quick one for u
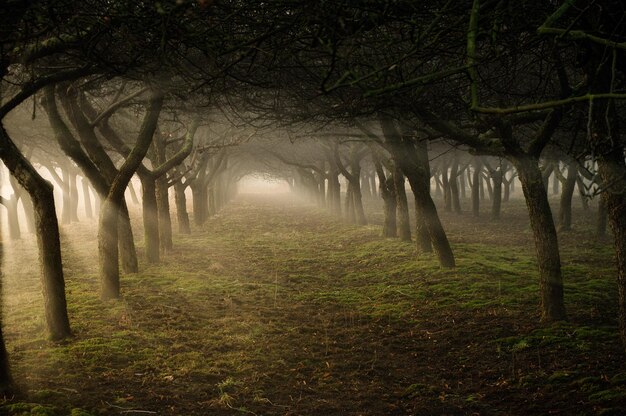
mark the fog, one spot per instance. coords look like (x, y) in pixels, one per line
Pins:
(253, 184)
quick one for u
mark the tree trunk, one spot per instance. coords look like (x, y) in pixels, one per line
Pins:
(402, 205)
(555, 184)
(66, 216)
(47, 232)
(87, 198)
(364, 182)
(462, 185)
(108, 233)
(200, 203)
(11, 205)
(438, 191)
(616, 212)
(413, 160)
(602, 218)
(476, 187)
(334, 190)
(181, 208)
(212, 199)
(133, 194)
(496, 200)
(507, 188)
(108, 249)
(581, 191)
(126, 241)
(388, 194)
(445, 182)
(350, 213)
(6, 381)
(454, 185)
(150, 219)
(487, 183)
(74, 198)
(544, 233)
(165, 221)
(373, 185)
(565, 205)
(357, 197)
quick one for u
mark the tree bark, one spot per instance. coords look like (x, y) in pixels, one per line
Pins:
(476, 186)
(74, 198)
(200, 203)
(6, 380)
(402, 205)
(544, 233)
(126, 241)
(181, 208)
(567, 193)
(150, 219)
(108, 230)
(453, 183)
(87, 198)
(47, 232)
(445, 184)
(496, 200)
(413, 160)
(602, 219)
(165, 220)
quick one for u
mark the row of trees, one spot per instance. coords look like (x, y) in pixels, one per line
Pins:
(137, 88)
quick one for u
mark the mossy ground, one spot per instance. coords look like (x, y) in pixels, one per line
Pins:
(276, 308)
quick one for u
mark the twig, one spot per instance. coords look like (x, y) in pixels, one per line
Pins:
(128, 410)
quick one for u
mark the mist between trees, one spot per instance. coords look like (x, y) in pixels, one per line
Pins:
(106, 104)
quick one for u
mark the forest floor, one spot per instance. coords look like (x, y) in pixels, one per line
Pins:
(274, 307)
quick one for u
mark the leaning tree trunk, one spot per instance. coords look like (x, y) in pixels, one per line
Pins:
(581, 191)
(47, 231)
(544, 233)
(126, 243)
(108, 234)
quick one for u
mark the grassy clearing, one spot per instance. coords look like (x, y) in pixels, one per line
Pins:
(274, 307)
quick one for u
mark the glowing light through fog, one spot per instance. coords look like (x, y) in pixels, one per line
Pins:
(257, 185)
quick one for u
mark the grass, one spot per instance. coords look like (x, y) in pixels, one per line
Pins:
(274, 307)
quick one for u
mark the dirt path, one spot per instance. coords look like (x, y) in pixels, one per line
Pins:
(275, 308)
